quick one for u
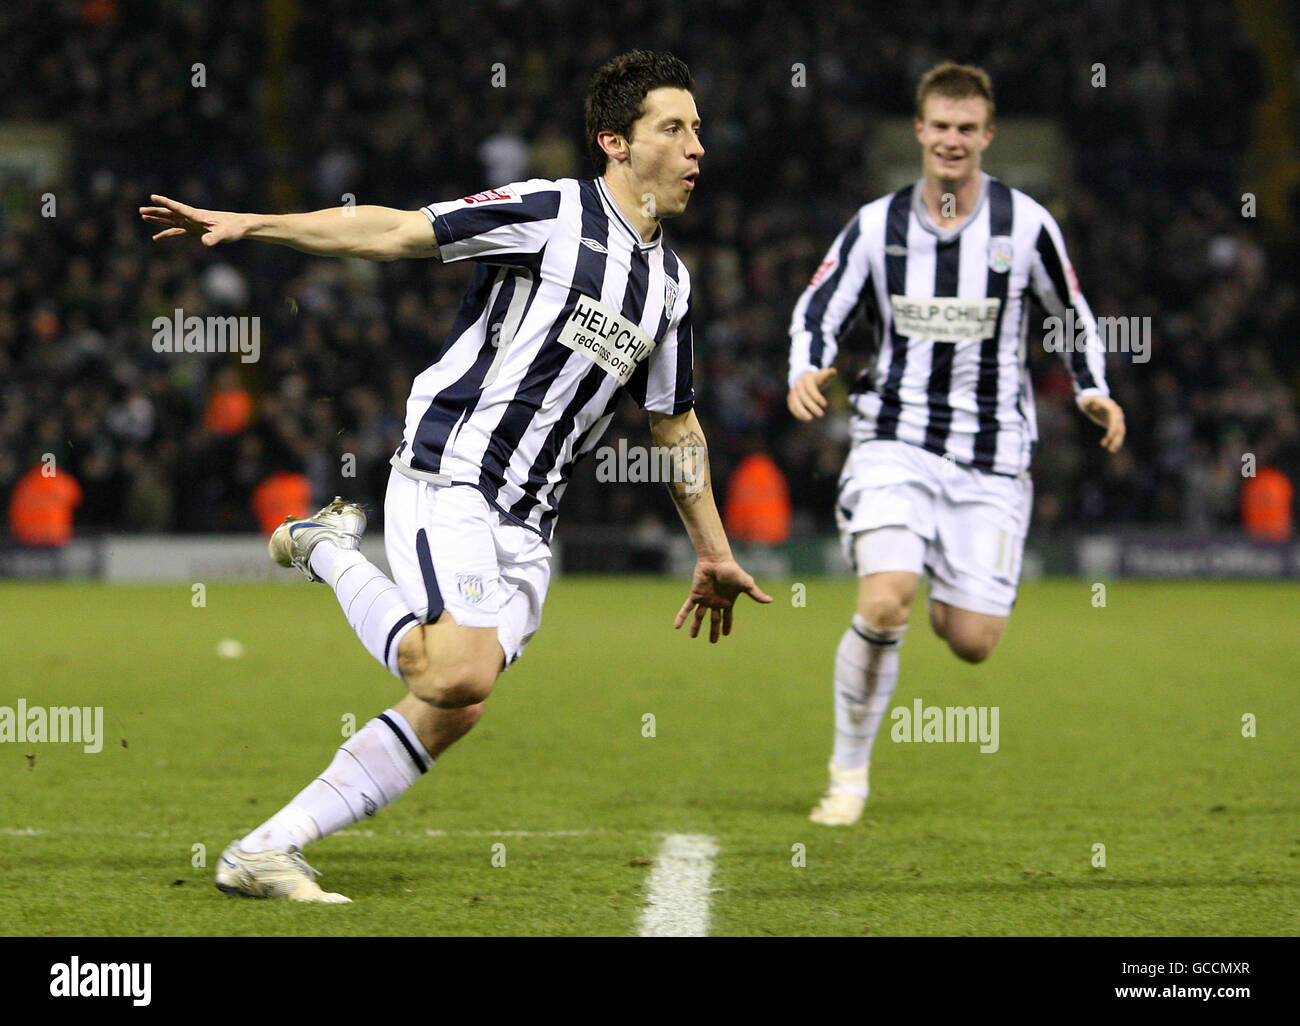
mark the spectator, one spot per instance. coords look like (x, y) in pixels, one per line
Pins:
(283, 494)
(1266, 511)
(758, 502)
(40, 511)
(230, 407)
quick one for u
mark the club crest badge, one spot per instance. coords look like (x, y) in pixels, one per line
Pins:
(1000, 254)
(670, 296)
(471, 588)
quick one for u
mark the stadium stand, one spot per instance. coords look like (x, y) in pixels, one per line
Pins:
(394, 104)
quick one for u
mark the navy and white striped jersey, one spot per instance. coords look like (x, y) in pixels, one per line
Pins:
(567, 309)
(949, 313)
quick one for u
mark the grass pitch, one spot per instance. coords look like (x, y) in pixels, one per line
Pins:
(1119, 726)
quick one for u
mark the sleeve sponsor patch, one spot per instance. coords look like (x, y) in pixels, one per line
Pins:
(505, 194)
(824, 269)
(1072, 282)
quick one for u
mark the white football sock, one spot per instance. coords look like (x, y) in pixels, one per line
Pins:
(372, 603)
(866, 674)
(372, 768)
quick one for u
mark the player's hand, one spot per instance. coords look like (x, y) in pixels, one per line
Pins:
(1107, 413)
(805, 400)
(715, 587)
(209, 226)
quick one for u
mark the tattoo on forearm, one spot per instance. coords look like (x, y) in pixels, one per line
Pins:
(689, 459)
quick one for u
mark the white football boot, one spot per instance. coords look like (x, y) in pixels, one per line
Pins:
(341, 522)
(845, 798)
(270, 874)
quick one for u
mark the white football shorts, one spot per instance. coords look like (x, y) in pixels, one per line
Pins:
(449, 549)
(971, 525)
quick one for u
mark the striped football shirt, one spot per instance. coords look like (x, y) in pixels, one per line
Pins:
(949, 313)
(568, 309)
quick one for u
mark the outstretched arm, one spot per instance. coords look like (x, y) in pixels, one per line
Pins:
(718, 578)
(369, 232)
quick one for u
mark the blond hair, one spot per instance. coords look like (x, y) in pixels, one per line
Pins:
(955, 81)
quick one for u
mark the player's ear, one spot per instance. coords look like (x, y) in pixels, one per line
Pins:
(614, 145)
(916, 127)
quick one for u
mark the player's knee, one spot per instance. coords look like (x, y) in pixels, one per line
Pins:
(466, 685)
(453, 685)
(885, 610)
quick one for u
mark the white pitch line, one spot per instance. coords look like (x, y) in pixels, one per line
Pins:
(507, 833)
(367, 832)
(349, 832)
(678, 902)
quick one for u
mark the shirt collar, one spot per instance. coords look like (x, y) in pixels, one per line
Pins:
(947, 234)
(616, 212)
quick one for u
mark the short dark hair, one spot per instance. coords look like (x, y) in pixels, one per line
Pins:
(618, 91)
(957, 82)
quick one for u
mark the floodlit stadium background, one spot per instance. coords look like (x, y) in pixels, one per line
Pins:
(1162, 135)
(1152, 719)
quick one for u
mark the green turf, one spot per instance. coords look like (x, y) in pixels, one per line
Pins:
(1118, 726)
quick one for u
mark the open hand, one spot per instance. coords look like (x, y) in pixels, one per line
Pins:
(209, 226)
(715, 587)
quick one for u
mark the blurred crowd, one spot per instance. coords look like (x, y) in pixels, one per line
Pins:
(404, 104)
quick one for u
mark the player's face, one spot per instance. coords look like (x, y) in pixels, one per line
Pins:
(665, 150)
(953, 134)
